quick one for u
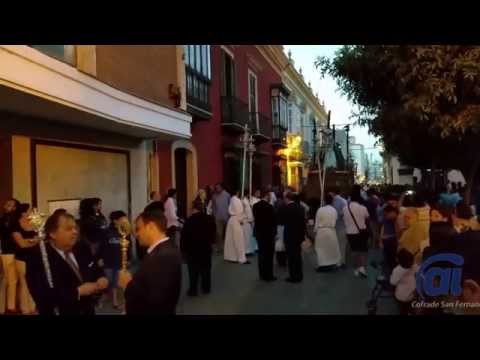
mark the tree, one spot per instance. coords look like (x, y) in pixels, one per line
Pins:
(408, 94)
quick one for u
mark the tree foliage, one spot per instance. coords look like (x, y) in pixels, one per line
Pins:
(438, 85)
(422, 101)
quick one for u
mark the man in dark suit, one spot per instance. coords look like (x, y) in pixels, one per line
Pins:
(294, 235)
(75, 276)
(198, 235)
(155, 288)
(264, 231)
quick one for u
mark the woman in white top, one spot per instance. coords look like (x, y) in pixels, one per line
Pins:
(170, 207)
(234, 249)
(355, 217)
(326, 242)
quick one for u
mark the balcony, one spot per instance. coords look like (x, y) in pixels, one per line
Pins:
(261, 127)
(279, 137)
(235, 115)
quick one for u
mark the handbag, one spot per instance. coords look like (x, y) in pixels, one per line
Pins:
(363, 233)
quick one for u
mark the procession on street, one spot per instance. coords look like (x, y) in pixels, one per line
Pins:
(239, 179)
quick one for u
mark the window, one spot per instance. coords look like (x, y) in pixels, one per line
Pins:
(252, 96)
(228, 75)
(280, 111)
(290, 116)
(198, 71)
(61, 52)
(252, 92)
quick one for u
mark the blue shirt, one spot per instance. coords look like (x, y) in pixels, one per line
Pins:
(220, 203)
(388, 229)
(450, 199)
(339, 203)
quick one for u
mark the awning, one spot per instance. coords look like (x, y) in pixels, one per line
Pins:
(34, 84)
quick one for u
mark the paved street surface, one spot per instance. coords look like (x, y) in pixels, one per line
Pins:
(237, 290)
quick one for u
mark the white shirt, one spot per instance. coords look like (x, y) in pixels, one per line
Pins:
(156, 243)
(171, 212)
(361, 215)
(62, 254)
(273, 198)
(404, 282)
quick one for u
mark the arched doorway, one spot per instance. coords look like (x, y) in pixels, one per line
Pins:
(184, 175)
(232, 171)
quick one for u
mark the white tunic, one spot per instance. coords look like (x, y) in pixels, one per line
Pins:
(250, 243)
(234, 249)
(171, 212)
(326, 242)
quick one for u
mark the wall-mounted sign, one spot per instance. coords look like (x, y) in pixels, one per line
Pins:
(71, 205)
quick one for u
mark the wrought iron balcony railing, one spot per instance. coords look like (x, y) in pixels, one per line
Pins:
(235, 115)
(279, 136)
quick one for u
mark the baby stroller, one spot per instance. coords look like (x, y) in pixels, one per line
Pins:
(377, 281)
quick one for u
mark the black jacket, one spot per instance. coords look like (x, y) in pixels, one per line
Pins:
(93, 228)
(110, 249)
(293, 216)
(155, 287)
(265, 220)
(64, 295)
(198, 235)
(7, 244)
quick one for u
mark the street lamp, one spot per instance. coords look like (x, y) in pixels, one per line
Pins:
(248, 146)
(251, 151)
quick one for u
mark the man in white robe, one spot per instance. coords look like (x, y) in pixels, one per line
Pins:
(326, 242)
(250, 244)
(235, 249)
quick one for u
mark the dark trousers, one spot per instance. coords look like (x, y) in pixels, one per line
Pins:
(281, 258)
(266, 249)
(199, 267)
(294, 258)
(390, 246)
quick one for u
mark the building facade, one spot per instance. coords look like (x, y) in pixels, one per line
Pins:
(394, 172)
(306, 117)
(88, 121)
(358, 156)
(242, 87)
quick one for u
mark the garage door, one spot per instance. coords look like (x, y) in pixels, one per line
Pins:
(70, 172)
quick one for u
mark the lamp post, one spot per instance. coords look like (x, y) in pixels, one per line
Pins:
(251, 151)
(245, 139)
(248, 146)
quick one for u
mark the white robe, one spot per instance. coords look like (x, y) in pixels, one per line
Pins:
(326, 242)
(250, 243)
(234, 249)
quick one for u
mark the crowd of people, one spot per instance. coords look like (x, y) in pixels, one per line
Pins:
(412, 226)
(80, 265)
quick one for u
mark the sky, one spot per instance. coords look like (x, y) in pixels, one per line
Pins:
(341, 109)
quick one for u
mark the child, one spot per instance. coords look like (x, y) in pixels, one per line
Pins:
(403, 278)
(388, 238)
(110, 253)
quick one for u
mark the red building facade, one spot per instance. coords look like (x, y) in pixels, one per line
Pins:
(227, 87)
(241, 85)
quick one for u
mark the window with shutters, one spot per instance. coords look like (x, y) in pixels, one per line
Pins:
(228, 75)
(199, 74)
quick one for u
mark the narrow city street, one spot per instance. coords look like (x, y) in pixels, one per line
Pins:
(236, 290)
